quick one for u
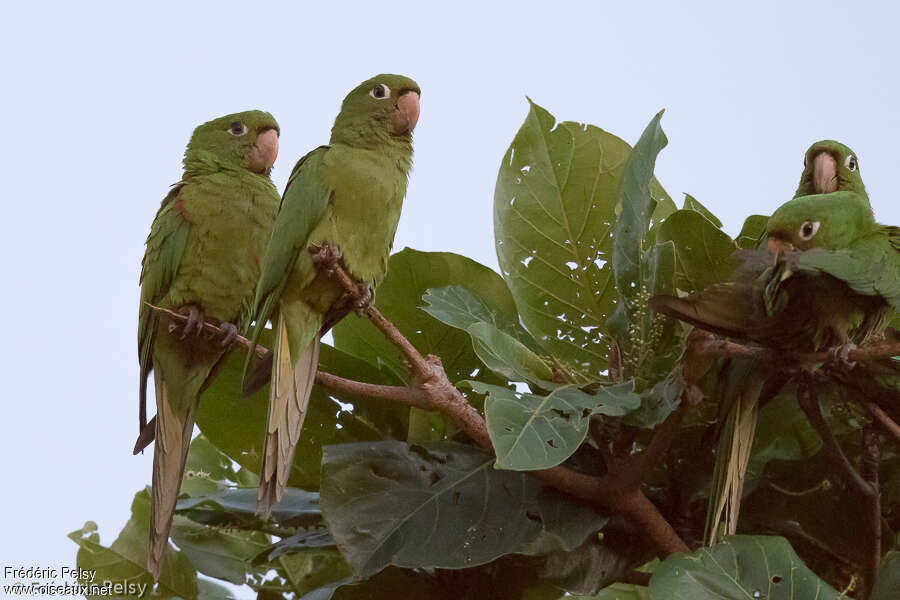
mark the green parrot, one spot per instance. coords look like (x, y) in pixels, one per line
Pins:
(347, 195)
(830, 188)
(202, 259)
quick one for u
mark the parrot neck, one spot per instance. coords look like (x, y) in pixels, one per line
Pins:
(369, 134)
(199, 163)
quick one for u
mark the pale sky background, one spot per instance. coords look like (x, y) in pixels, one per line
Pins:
(99, 100)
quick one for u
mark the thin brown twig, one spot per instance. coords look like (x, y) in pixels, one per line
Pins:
(809, 402)
(871, 456)
(887, 423)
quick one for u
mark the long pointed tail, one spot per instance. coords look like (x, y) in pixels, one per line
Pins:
(292, 382)
(742, 390)
(173, 439)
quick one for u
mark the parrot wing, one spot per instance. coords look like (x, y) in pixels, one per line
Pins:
(165, 247)
(303, 206)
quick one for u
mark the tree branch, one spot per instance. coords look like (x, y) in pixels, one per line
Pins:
(714, 345)
(871, 456)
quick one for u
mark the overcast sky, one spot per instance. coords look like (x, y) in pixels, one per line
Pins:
(99, 100)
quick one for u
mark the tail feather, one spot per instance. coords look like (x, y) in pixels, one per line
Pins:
(173, 439)
(742, 388)
(292, 383)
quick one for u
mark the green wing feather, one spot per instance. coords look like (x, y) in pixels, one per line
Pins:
(871, 266)
(165, 247)
(302, 207)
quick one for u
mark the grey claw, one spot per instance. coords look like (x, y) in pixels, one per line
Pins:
(841, 354)
(194, 321)
(365, 298)
(229, 334)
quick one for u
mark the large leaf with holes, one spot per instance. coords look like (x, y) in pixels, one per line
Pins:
(410, 274)
(554, 214)
(538, 432)
(742, 567)
(440, 505)
(237, 425)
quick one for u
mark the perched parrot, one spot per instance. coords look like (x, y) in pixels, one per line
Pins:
(347, 195)
(829, 210)
(202, 259)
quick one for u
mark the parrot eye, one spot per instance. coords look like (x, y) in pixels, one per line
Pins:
(380, 91)
(808, 230)
(237, 129)
(850, 163)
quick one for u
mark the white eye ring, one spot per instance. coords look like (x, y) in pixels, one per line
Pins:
(850, 163)
(808, 230)
(237, 129)
(380, 91)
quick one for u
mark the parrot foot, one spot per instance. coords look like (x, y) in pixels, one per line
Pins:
(229, 333)
(841, 354)
(194, 322)
(364, 299)
(324, 256)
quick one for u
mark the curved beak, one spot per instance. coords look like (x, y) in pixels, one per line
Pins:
(778, 246)
(824, 174)
(264, 152)
(406, 115)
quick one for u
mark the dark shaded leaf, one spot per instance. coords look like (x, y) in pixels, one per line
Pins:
(441, 505)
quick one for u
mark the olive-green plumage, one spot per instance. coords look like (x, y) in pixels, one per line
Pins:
(202, 257)
(347, 195)
(779, 300)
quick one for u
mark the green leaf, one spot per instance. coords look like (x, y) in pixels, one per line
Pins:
(410, 274)
(742, 567)
(636, 206)
(237, 425)
(532, 432)
(459, 307)
(237, 507)
(554, 213)
(691, 203)
(218, 552)
(888, 581)
(502, 345)
(702, 250)
(440, 505)
(124, 562)
(314, 568)
(657, 402)
(618, 591)
(752, 231)
(507, 356)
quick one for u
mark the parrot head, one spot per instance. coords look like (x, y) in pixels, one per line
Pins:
(829, 166)
(245, 140)
(380, 109)
(831, 221)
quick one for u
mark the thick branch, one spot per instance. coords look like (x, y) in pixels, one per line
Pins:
(887, 423)
(712, 344)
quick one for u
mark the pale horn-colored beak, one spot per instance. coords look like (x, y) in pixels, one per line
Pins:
(264, 152)
(825, 178)
(406, 116)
